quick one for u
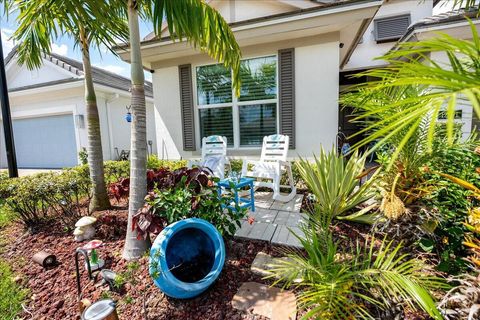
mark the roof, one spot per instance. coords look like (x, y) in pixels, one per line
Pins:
(322, 5)
(445, 18)
(100, 76)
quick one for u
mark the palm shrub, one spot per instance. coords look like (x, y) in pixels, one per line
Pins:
(336, 282)
(334, 181)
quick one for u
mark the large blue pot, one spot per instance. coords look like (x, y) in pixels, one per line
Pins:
(186, 258)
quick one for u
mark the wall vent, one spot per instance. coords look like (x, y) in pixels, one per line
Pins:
(391, 28)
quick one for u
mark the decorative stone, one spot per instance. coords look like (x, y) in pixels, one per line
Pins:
(84, 229)
(263, 263)
(266, 301)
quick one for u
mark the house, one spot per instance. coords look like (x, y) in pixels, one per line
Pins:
(292, 53)
(49, 116)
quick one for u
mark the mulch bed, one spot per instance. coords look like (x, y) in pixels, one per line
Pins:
(54, 295)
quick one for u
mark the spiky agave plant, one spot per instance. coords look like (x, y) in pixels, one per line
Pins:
(339, 283)
(334, 180)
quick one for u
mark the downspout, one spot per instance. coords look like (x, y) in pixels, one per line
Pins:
(112, 98)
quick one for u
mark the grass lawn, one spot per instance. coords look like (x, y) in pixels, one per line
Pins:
(11, 294)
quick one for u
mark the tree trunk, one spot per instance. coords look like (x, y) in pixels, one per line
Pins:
(135, 248)
(99, 199)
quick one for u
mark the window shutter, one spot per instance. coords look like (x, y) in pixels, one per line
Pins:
(186, 105)
(391, 28)
(286, 93)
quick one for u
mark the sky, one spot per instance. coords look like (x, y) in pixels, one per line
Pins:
(103, 58)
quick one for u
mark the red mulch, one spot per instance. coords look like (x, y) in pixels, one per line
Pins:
(54, 294)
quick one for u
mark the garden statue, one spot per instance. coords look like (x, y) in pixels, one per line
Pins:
(84, 229)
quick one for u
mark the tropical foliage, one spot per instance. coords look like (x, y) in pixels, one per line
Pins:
(334, 182)
(440, 87)
(340, 283)
(185, 193)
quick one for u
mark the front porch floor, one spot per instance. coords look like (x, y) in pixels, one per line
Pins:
(274, 221)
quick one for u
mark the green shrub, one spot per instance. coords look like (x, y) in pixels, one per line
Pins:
(154, 163)
(11, 294)
(338, 282)
(35, 197)
(452, 203)
(114, 170)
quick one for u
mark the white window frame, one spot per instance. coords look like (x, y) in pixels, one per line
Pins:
(235, 104)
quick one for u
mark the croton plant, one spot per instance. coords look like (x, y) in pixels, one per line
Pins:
(178, 194)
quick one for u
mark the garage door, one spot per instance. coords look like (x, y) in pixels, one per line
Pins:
(45, 142)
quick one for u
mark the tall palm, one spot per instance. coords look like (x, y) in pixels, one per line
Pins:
(442, 87)
(87, 22)
(202, 26)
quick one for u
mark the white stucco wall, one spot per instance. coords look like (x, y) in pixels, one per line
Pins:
(316, 89)
(115, 131)
(369, 49)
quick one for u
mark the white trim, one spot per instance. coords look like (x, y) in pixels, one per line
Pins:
(44, 112)
(234, 105)
(61, 69)
(43, 89)
(434, 28)
(273, 21)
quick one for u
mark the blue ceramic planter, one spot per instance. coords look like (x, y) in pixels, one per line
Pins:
(186, 258)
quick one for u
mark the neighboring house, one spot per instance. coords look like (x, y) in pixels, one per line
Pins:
(455, 24)
(49, 116)
(292, 52)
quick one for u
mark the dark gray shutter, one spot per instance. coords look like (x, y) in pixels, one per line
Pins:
(391, 28)
(186, 105)
(286, 93)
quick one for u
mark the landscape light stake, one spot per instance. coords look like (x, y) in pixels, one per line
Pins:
(7, 119)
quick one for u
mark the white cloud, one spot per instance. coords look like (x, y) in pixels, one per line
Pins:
(7, 43)
(112, 68)
(60, 49)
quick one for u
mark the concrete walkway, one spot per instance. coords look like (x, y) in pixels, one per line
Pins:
(274, 220)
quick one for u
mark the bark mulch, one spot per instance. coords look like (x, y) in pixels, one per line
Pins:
(53, 293)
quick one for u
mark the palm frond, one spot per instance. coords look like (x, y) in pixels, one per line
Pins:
(203, 27)
(440, 87)
(340, 284)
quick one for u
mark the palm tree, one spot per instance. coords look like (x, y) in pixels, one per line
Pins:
(88, 22)
(202, 26)
(441, 87)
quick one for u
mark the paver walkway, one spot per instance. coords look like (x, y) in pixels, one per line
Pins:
(274, 220)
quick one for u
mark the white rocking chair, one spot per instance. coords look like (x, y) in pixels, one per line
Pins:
(214, 155)
(273, 163)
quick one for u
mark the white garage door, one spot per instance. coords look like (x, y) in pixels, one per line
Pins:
(45, 142)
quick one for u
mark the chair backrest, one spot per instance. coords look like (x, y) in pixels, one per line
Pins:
(275, 147)
(214, 146)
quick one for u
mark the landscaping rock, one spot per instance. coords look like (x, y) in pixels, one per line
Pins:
(266, 301)
(263, 263)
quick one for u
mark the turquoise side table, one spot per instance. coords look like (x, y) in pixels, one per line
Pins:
(230, 184)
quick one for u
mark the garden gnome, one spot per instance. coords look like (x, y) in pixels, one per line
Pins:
(84, 229)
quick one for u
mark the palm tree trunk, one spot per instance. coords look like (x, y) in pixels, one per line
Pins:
(135, 248)
(99, 199)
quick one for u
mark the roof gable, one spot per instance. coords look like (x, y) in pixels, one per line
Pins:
(59, 69)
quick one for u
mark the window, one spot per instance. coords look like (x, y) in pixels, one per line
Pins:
(391, 28)
(246, 119)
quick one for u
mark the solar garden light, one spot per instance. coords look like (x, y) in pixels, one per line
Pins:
(95, 262)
